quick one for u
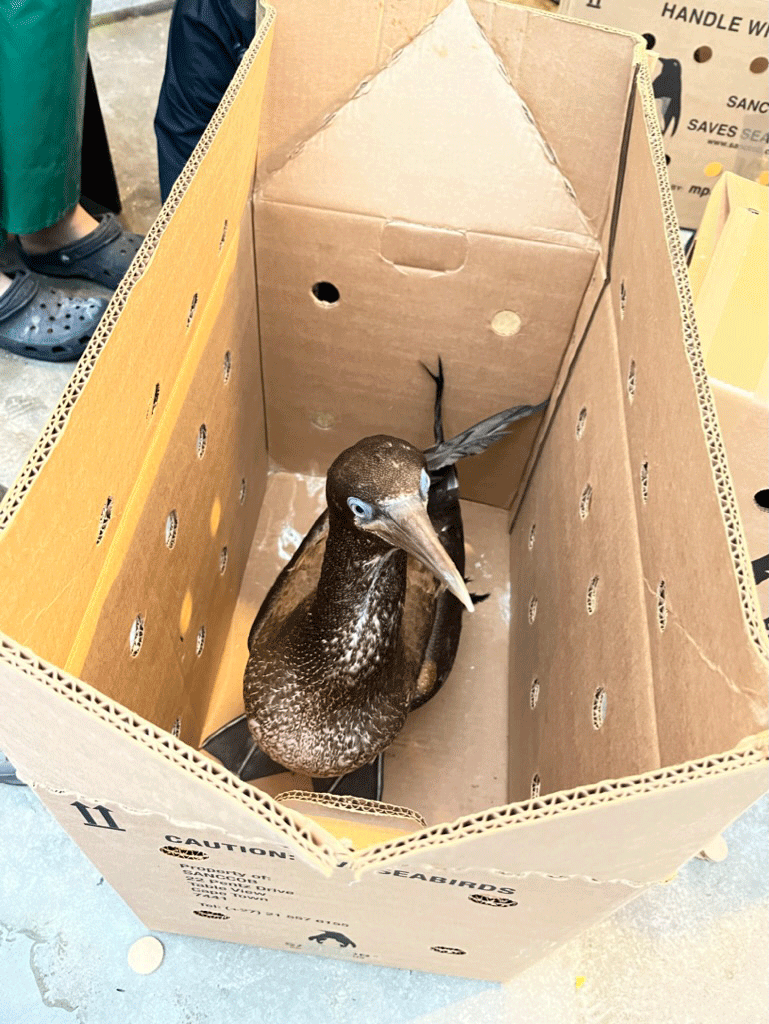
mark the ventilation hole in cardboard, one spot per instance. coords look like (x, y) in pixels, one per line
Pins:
(202, 441)
(532, 535)
(242, 491)
(662, 608)
(492, 901)
(703, 54)
(176, 728)
(224, 235)
(323, 420)
(325, 293)
(155, 399)
(534, 694)
(645, 481)
(585, 501)
(214, 915)
(631, 380)
(506, 323)
(136, 636)
(536, 785)
(651, 40)
(182, 853)
(622, 299)
(172, 528)
(227, 366)
(581, 421)
(104, 518)
(532, 609)
(599, 707)
(713, 169)
(448, 949)
(191, 313)
(223, 560)
(200, 641)
(758, 65)
(592, 595)
(761, 498)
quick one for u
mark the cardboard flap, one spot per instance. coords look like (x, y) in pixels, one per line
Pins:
(631, 831)
(114, 759)
(438, 137)
(354, 822)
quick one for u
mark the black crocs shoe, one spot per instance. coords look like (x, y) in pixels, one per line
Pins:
(46, 323)
(103, 256)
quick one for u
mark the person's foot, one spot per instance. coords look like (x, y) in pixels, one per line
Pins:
(5, 282)
(97, 250)
(73, 226)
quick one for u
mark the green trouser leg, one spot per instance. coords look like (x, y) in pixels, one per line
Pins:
(43, 54)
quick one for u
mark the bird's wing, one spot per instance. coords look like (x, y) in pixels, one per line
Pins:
(297, 581)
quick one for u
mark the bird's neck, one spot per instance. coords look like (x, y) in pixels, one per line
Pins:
(359, 600)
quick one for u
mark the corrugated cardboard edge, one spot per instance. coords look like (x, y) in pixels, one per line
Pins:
(351, 805)
(721, 476)
(297, 829)
(750, 752)
(285, 822)
(141, 262)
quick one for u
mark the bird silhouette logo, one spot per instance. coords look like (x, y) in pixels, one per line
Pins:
(341, 940)
(667, 91)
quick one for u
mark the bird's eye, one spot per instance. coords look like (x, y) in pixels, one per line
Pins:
(359, 508)
(424, 484)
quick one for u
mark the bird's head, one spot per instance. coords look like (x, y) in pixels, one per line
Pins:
(380, 486)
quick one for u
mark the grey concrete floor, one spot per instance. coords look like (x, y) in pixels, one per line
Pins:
(693, 951)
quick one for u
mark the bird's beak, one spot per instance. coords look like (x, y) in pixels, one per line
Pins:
(407, 525)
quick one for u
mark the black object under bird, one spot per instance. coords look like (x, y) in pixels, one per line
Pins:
(362, 626)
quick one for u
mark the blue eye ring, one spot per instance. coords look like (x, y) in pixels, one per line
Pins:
(424, 484)
(360, 509)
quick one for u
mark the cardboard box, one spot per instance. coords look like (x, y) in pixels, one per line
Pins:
(710, 84)
(606, 715)
(728, 273)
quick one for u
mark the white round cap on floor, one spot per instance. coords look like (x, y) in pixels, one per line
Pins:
(146, 955)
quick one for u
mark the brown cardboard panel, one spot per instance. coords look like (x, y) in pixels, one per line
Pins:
(184, 597)
(116, 424)
(121, 762)
(438, 137)
(323, 51)
(473, 923)
(578, 124)
(578, 633)
(731, 301)
(707, 641)
(638, 830)
(322, 396)
(720, 99)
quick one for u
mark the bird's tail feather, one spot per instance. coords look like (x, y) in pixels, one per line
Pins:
(479, 437)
